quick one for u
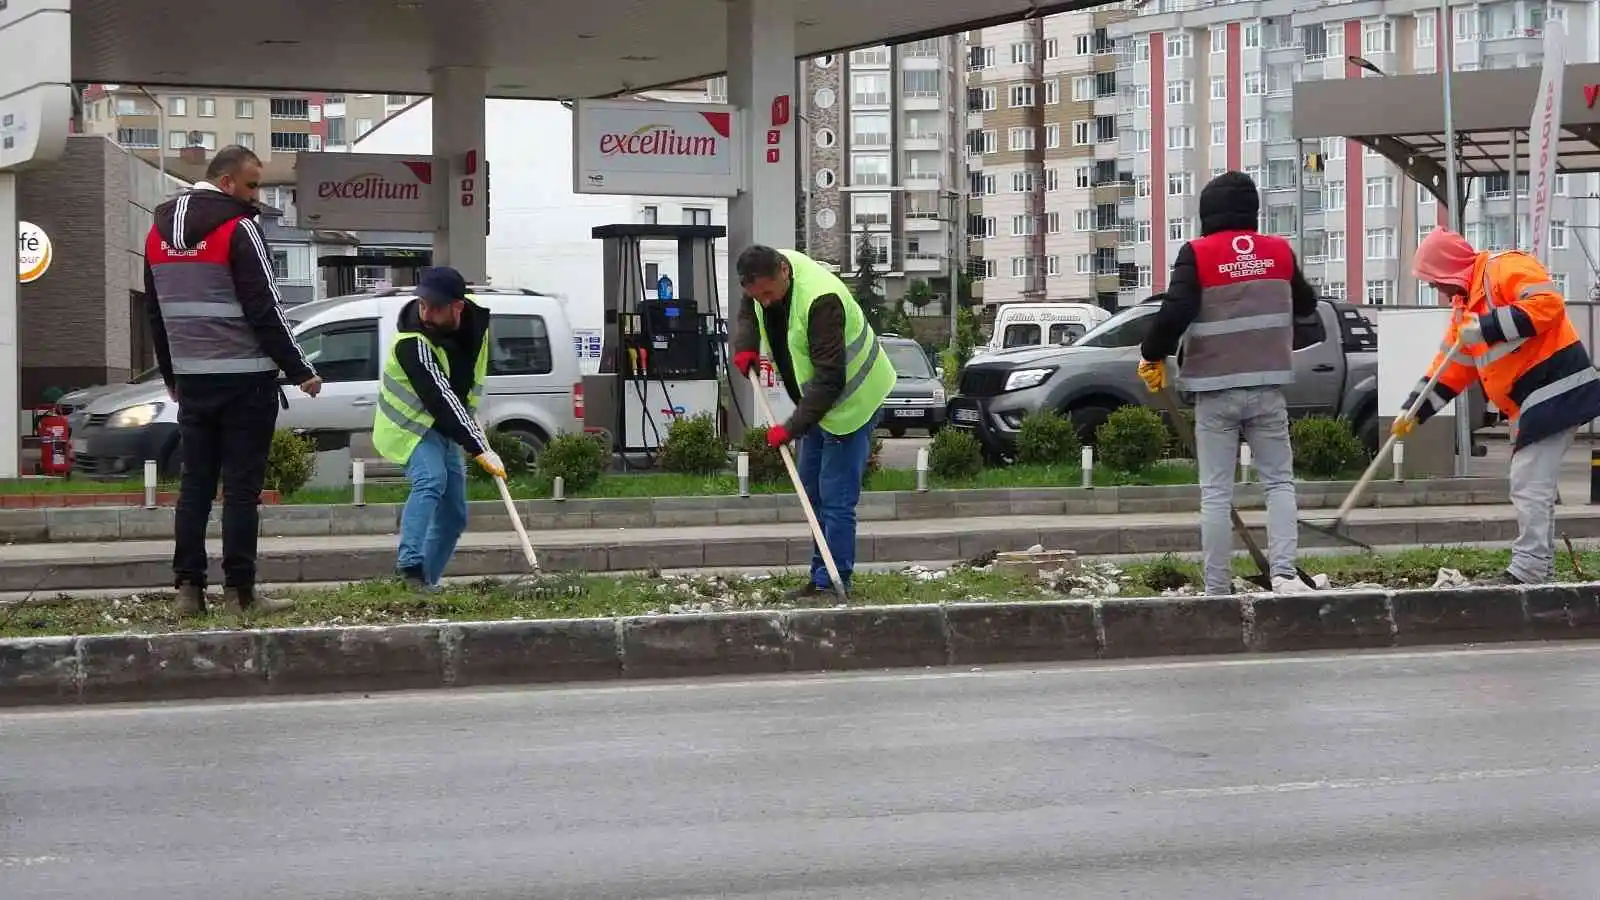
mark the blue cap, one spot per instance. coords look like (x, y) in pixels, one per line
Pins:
(441, 286)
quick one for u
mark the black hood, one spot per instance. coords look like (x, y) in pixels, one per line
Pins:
(1230, 203)
(184, 221)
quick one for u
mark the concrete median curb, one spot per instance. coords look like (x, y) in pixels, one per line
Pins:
(87, 524)
(189, 665)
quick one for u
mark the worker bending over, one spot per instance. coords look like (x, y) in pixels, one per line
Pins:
(1515, 337)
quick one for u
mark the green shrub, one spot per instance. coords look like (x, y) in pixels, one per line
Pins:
(514, 455)
(1324, 447)
(954, 454)
(766, 465)
(1132, 439)
(694, 447)
(1168, 574)
(578, 458)
(290, 462)
(874, 459)
(1047, 438)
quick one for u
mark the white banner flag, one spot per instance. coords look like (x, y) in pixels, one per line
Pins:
(1544, 133)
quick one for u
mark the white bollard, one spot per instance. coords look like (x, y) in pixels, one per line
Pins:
(922, 470)
(358, 481)
(558, 490)
(149, 484)
(1399, 460)
(744, 474)
(1087, 464)
(1244, 463)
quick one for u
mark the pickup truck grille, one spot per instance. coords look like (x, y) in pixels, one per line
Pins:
(983, 382)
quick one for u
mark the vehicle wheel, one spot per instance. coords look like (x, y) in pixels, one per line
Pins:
(1367, 434)
(933, 430)
(529, 439)
(897, 431)
(1088, 419)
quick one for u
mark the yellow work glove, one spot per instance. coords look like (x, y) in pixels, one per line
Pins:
(1402, 425)
(490, 461)
(1153, 374)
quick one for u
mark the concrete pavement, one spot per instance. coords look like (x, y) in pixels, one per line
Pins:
(1416, 775)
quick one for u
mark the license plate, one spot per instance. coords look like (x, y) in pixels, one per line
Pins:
(969, 416)
(80, 446)
(908, 413)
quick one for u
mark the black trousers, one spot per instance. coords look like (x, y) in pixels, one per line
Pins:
(226, 424)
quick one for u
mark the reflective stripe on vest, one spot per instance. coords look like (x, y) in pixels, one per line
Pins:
(1244, 334)
(869, 375)
(207, 331)
(401, 420)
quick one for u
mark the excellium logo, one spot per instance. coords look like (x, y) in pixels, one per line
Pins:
(657, 139)
(368, 186)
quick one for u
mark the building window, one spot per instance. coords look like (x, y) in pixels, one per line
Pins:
(139, 138)
(280, 264)
(1052, 92)
(1022, 54)
(290, 108)
(1083, 177)
(980, 58)
(1178, 92)
(1081, 45)
(1560, 280)
(1333, 196)
(1427, 23)
(1052, 223)
(1252, 130)
(1180, 137)
(362, 127)
(1379, 292)
(650, 215)
(1021, 95)
(1377, 37)
(1019, 139)
(396, 100)
(1219, 39)
(1052, 136)
(872, 56)
(1085, 264)
(290, 141)
(1255, 84)
(1336, 245)
(247, 139)
(920, 83)
(177, 106)
(1083, 88)
(1021, 182)
(880, 249)
(1180, 184)
(1179, 46)
(870, 209)
(1052, 48)
(1177, 229)
(982, 141)
(1380, 192)
(127, 106)
(1082, 133)
(1219, 87)
(1558, 234)
(207, 107)
(1021, 226)
(869, 169)
(870, 129)
(1083, 220)
(1380, 243)
(869, 89)
(1219, 133)
(244, 109)
(1142, 231)
(177, 140)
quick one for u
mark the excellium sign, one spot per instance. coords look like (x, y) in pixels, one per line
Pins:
(365, 190)
(664, 149)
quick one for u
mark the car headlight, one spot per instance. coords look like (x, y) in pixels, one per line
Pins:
(1022, 379)
(134, 416)
(938, 396)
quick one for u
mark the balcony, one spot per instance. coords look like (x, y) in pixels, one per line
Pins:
(923, 140)
(922, 181)
(1108, 239)
(922, 100)
(1107, 283)
(1127, 253)
(922, 261)
(923, 220)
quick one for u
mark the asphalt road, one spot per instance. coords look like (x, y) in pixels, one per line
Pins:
(1465, 774)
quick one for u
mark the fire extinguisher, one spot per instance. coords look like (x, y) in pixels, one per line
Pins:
(55, 444)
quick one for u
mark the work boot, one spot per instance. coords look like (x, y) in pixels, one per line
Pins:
(191, 601)
(413, 579)
(810, 592)
(1290, 584)
(242, 601)
(1502, 579)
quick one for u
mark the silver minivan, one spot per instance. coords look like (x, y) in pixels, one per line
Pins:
(531, 392)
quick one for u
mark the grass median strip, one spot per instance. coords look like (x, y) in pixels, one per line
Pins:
(589, 596)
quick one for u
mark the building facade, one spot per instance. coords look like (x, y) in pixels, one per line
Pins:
(882, 160)
(1208, 86)
(1043, 174)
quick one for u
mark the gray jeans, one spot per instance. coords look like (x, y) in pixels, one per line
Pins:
(1535, 475)
(1263, 418)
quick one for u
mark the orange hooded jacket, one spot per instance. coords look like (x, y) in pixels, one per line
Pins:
(1532, 364)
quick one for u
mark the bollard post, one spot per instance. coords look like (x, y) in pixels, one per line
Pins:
(558, 491)
(149, 484)
(1086, 462)
(744, 474)
(1244, 463)
(922, 470)
(358, 481)
(1399, 460)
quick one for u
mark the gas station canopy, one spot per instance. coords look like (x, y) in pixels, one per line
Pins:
(532, 49)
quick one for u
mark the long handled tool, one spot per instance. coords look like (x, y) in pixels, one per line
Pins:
(516, 522)
(1185, 433)
(800, 490)
(1334, 528)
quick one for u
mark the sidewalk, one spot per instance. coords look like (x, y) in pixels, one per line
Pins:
(63, 566)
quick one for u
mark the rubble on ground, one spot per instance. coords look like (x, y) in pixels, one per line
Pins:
(1092, 579)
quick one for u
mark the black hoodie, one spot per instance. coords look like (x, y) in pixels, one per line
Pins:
(184, 222)
(445, 397)
(1228, 203)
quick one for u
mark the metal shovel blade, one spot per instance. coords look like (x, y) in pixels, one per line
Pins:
(1335, 530)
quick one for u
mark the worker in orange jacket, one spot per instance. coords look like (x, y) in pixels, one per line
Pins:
(1516, 339)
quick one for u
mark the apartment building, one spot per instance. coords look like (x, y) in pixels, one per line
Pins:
(1043, 175)
(881, 160)
(1206, 86)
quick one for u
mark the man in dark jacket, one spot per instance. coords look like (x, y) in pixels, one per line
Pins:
(836, 373)
(1232, 300)
(220, 339)
(433, 379)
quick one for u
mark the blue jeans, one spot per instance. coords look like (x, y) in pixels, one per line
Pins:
(831, 469)
(436, 512)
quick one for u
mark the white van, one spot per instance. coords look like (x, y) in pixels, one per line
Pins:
(1042, 324)
(530, 391)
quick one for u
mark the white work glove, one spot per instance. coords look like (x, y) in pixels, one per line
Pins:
(1471, 333)
(490, 461)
